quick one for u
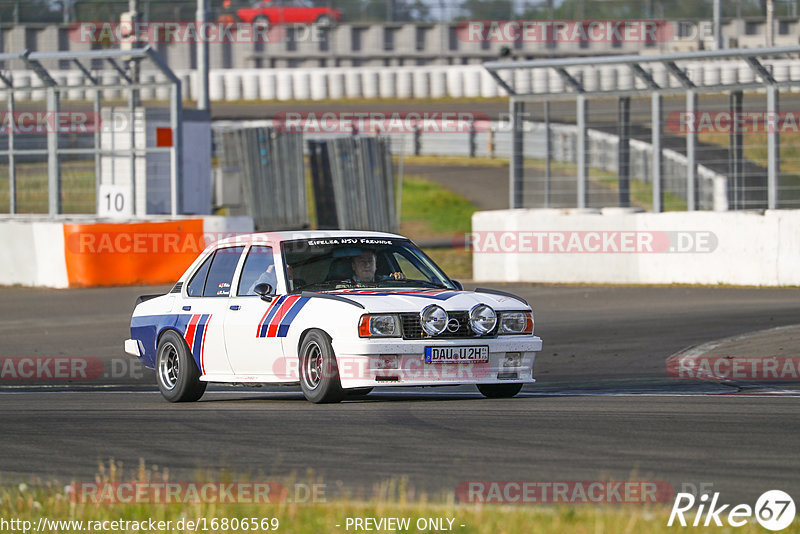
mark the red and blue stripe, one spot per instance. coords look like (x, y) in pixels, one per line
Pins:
(279, 316)
(195, 337)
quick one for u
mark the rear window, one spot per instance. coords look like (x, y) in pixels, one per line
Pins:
(220, 275)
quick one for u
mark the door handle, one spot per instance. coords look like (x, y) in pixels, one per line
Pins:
(235, 307)
(187, 308)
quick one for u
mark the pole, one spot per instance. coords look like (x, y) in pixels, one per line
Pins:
(53, 167)
(736, 154)
(657, 142)
(548, 148)
(581, 159)
(773, 149)
(176, 154)
(133, 8)
(517, 157)
(770, 23)
(12, 166)
(624, 150)
(718, 24)
(691, 156)
(203, 102)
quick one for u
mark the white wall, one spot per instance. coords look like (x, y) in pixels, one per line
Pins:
(33, 254)
(33, 248)
(738, 248)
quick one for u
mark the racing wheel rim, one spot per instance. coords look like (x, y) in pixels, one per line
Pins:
(169, 366)
(312, 365)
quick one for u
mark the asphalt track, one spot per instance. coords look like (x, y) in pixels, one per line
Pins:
(603, 407)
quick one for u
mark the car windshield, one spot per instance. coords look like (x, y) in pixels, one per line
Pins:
(326, 264)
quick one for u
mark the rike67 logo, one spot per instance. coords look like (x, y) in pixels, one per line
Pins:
(774, 510)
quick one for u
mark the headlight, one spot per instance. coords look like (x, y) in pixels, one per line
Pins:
(379, 326)
(516, 323)
(483, 319)
(433, 320)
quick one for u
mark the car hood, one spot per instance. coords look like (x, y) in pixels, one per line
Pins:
(414, 300)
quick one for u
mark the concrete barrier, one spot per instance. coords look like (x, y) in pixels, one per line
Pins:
(84, 252)
(618, 246)
(425, 81)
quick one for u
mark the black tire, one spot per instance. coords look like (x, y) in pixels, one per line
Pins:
(499, 391)
(319, 373)
(176, 372)
(324, 20)
(358, 392)
(262, 20)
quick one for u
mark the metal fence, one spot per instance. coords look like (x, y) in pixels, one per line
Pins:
(354, 184)
(262, 174)
(666, 132)
(73, 141)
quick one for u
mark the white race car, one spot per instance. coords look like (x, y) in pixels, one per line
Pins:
(337, 312)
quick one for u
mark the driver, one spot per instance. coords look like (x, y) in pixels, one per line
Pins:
(364, 267)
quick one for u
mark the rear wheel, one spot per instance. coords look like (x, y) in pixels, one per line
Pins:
(499, 391)
(324, 20)
(176, 372)
(319, 374)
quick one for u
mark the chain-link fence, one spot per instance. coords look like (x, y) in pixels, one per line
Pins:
(711, 130)
(83, 142)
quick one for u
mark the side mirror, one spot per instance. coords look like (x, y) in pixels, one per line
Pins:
(264, 290)
(458, 285)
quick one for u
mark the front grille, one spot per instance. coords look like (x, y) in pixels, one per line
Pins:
(412, 329)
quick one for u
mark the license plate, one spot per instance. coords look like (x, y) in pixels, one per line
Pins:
(456, 354)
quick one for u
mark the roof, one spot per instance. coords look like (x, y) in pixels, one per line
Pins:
(289, 235)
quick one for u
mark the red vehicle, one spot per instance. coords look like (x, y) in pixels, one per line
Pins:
(288, 12)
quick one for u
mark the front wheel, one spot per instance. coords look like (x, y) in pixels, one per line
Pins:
(499, 391)
(319, 374)
(176, 372)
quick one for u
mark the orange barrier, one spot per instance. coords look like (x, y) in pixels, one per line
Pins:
(112, 254)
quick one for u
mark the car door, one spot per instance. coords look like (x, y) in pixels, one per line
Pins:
(203, 311)
(253, 326)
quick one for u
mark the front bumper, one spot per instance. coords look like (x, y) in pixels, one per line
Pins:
(362, 363)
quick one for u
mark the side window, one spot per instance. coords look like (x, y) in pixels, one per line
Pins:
(220, 275)
(259, 268)
(195, 288)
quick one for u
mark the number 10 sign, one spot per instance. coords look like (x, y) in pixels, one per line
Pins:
(114, 201)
